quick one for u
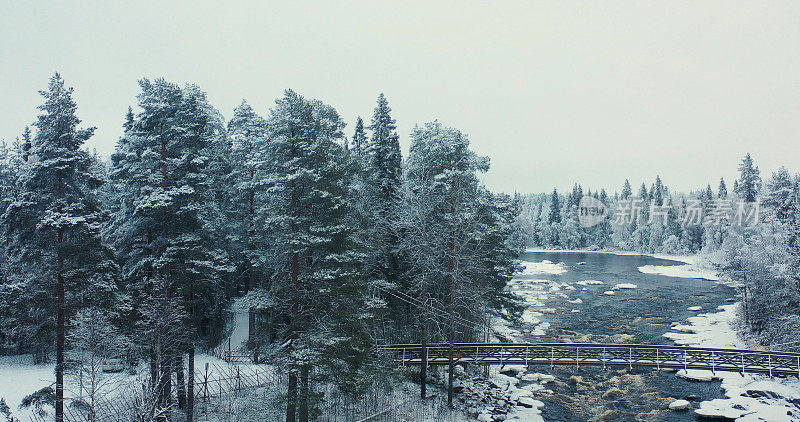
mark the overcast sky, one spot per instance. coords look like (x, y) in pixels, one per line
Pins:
(554, 92)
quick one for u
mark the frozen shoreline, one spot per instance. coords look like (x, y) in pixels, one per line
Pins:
(686, 259)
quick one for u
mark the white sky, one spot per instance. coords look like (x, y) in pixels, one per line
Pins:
(554, 92)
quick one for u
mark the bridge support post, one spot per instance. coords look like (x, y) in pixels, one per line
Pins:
(742, 356)
(658, 362)
(450, 373)
(603, 358)
(713, 363)
(423, 364)
(769, 363)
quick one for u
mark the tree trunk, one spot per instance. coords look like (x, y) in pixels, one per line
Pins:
(251, 317)
(304, 394)
(60, 327)
(423, 366)
(291, 399)
(451, 308)
(190, 386)
(180, 381)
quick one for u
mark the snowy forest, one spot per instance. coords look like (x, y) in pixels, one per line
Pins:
(336, 242)
(761, 253)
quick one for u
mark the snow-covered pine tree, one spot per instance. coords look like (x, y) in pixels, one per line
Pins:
(722, 192)
(166, 229)
(780, 194)
(384, 178)
(658, 192)
(442, 178)
(749, 179)
(359, 144)
(555, 208)
(626, 190)
(317, 287)
(248, 133)
(60, 263)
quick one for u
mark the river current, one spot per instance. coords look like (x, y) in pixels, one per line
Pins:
(570, 304)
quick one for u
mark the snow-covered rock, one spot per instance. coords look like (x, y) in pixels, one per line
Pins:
(537, 377)
(513, 370)
(679, 405)
(719, 409)
(700, 375)
(695, 308)
(609, 292)
(624, 286)
(577, 301)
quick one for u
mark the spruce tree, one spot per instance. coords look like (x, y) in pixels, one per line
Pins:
(722, 192)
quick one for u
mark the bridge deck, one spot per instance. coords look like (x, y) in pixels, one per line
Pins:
(594, 354)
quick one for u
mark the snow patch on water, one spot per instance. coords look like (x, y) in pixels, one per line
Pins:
(543, 267)
(681, 271)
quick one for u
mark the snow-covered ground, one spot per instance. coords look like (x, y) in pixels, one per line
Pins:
(749, 397)
(19, 377)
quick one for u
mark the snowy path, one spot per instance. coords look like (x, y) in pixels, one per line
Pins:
(240, 323)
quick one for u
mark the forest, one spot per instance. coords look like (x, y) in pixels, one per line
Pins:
(336, 242)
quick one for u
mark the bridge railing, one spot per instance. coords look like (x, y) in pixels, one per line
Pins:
(577, 354)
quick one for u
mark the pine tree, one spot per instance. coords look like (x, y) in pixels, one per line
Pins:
(248, 132)
(555, 208)
(53, 226)
(359, 144)
(384, 179)
(626, 190)
(749, 180)
(317, 285)
(780, 194)
(658, 194)
(722, 192)
(166, 229)
(442, 177)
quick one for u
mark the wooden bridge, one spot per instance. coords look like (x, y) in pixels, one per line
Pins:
(594, 354)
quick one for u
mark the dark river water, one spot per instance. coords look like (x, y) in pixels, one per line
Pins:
(640, 315)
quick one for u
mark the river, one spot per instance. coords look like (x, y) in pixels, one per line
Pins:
(567, 296)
